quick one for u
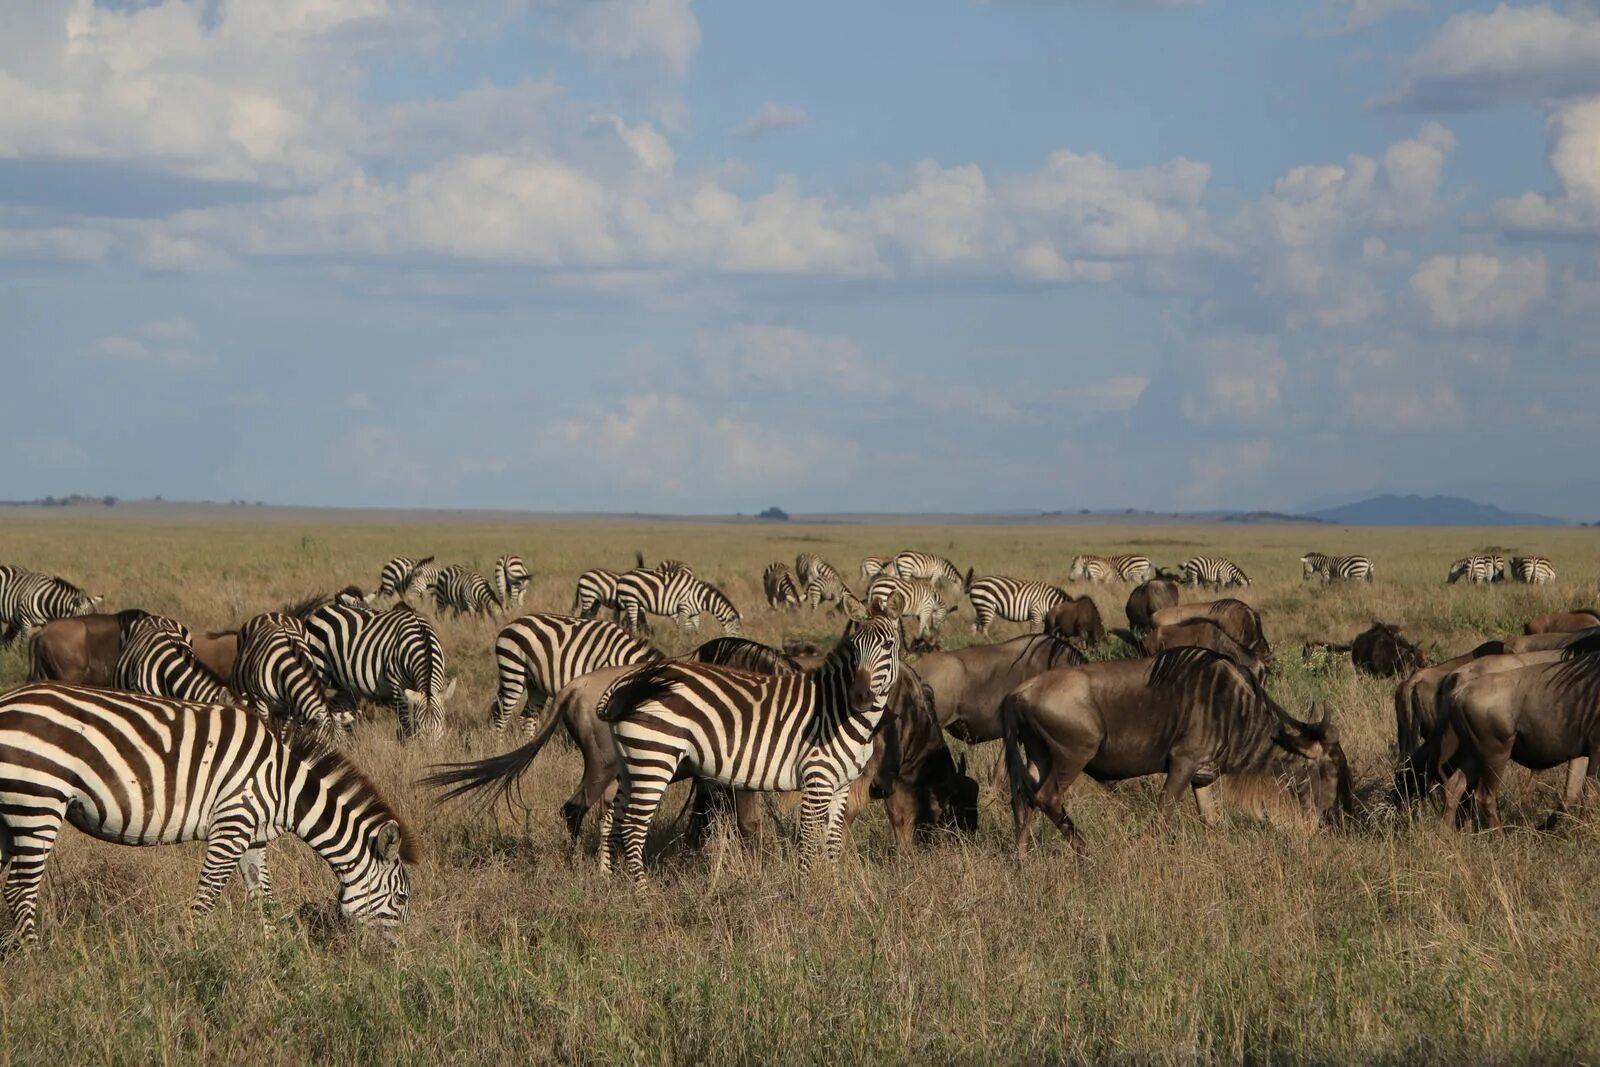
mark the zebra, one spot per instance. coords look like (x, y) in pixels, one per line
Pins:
(1214, 570)
(914, 597)
(597, 589)
(404, 577)
(29, 599)
(782, 591)
(677, 593)
(1476, 569)
(1013, 599)
(391, 657)
(1110, 569)
(873, 566)
(279, 676)
(157, 660)
(929, 567)
(820, 583)
(511, 580)
(464, 592)
(537, 655)
(1532, 570)
(139, 770)
(1336, 568)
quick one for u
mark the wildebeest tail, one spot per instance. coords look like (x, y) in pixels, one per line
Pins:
(41, 668)
(1023, 787)
(500, 772)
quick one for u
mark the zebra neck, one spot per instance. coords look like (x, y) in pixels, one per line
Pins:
(833, 681)
(323, 810)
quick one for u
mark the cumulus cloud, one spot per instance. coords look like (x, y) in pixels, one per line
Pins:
(1361, 14)
(771, 118)
(663, 33)
(168, 343)
(1479, 59)
(1575, 158)
(1478, 290)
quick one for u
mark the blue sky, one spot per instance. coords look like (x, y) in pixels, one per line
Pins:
(658, 255)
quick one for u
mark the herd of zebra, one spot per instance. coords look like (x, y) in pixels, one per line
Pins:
(138, 730)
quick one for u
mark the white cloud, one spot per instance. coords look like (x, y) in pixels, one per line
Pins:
(752, 358)
(1511, 53)
(1478, 290)
(664, 33)
(771, 118)
(1575, 158)
(1361, 14)
(165, 343)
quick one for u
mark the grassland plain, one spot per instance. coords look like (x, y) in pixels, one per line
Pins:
(1259, 941)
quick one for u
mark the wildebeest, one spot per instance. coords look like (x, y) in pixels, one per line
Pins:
(965, 686)
(1148, 598)
(82, 650)
(1563, 622)
(1413, 697)
(1239, 620)
(1204, 632)
(1379, 650)
(1545, 642)
(1076, 620)
(1188, 713)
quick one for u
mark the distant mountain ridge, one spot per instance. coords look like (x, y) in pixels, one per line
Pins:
(1392, 509)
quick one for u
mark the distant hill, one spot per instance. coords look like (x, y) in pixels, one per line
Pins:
(1393, 510)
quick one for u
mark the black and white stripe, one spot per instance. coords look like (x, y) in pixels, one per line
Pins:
(157, 660)
(279, 676)
(596, 589)
(778, 583)
(1477, 569)
(464, 592)
(930, 568)
(407, 579)
(1126, 568)
(511, 580)
(1014, 599)
(1336, 568)
(873, 566)
(1213, 570)
(820, 582)
(392, 657)
(138, 770)
(537, 655)
(29, 599)
(1532, 570)
(917, 598)
(677, 593)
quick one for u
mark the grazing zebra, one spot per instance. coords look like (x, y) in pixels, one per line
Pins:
(782, 591)
(1110, 569)
(1214, 570)
(29, 599)
(279, 676)
(1532, 570)
(139, 770)
(873, 566)
(511, 580)
(596, 589)
(157, 660)
(391, 657)
(820, 583)
(464, 592)
(931, 568)
(677, 593)
(1336, 568)
(910, 597)
(405, 578)
(1477, 569)
(537, 655)
(1013, 599)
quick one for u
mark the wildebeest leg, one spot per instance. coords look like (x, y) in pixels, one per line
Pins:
(1455, 787)
(1048, 800)
(904, 807)
(1205, 798)
(1180, 775)
(1572, 795)
(1489, 778)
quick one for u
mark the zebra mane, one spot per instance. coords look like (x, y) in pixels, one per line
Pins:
(63, 584)
(335, 771)
(742, 652)
(303, 607)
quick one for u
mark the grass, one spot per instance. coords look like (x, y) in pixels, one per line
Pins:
(1261, 940)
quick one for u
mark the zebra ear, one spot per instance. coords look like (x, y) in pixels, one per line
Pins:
(450, 690)
(96, 599)
(389, 841)
(415, 699)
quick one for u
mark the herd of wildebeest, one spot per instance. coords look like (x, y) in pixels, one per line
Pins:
(1181, 691)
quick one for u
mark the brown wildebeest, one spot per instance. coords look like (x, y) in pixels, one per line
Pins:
(82, 650)
(1197, 633)
(1545, 642)
(965, 686)
(1076, 620)
(1148, 598)
(1540, 716)
(1238, 619)
(1381, 651)
(1563, 622)
(218, 650)
(1413, 698)
(1188, 713)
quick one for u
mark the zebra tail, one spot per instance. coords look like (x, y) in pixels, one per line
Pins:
(966, 586)
(638, 559)
(634, 688)
(500, 772)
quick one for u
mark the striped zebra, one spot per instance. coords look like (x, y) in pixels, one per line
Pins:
(1336, 568)
(29, 599)
(597, 589)
(873, 566)
(810, 732)
(931, 568)
(819, 582)
(138, 770)
(916, 598)
(778, 583)
(1476, 569)
(279, 676)
(511, 581)
(537, 655)
(1532, 570)
(157, 660)
(1013, 599)
(676, 593)
(1214, 570)
(464, 592)
(405, 578)
(391, 657)
(1110, 569)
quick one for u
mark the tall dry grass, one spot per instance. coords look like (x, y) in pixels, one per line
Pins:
(1259, 940)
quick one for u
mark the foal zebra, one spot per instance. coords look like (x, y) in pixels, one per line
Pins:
(819, 582)
(139, 770)
(391, 657)
(29, 599)
(464, 592)
(1013, 599)
(511, 579)
(537, 655)
(778, 583)
(157, 660)
(1110, 569)
(1532, 570)
(677, 593)
(1336, 568)
(1214, 570)
(279, 676)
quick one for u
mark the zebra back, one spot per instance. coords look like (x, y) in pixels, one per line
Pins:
(391, 656)
(157, 660)
(537, 655)
(277, 671)
(511, 578)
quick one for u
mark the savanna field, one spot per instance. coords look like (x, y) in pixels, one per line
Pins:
(1265, 939)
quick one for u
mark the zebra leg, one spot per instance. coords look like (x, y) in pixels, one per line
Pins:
(226, 843)
(254, 873)
(816, 798)
(834, 845)
(635, 807)
(31, 834)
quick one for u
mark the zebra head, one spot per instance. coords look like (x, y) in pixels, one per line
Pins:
(427, 709)
(77, 602)
(1310, 564)
(376, 888)
(874, 647)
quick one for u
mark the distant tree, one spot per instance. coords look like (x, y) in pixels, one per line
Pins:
(774, 515)
(109, 501)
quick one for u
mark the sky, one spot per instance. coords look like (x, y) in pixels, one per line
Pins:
(678, 256)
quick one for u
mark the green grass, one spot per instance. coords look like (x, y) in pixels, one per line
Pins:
(1261, 940)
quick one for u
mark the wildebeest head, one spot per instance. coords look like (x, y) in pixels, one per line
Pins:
(1318, 742)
